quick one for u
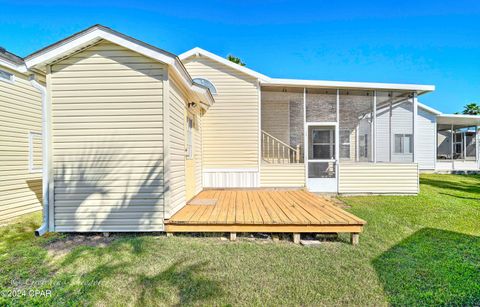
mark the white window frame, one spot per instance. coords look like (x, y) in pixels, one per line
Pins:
(402, 143)
(31, 166)
(189, 143)
(11, 78)
(211, 83)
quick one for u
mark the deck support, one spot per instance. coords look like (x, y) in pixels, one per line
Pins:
(296, 238)
(169, 234)
(354, 238)
(233, 236)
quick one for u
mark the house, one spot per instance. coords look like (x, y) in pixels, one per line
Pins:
(20, 140)
(138, 139)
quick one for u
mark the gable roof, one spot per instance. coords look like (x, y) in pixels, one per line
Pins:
(268, 81)
(94, 34)
(197, 51)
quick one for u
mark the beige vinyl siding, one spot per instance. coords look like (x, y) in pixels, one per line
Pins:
(107, 140)
(376, 178)
(20, 114)
(276, 119)
(282, 175)
(35, 152)
(176, 130)
(231, 126)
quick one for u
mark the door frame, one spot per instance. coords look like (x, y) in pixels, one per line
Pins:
(190, 160)
(326, 185)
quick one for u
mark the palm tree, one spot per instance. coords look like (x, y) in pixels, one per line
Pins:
(471, 109)
(235, 60)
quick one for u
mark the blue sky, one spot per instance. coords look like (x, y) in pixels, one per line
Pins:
(425, 42)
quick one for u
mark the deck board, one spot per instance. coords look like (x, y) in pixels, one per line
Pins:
(263, 210)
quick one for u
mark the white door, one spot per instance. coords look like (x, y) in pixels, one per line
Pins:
(321, 160)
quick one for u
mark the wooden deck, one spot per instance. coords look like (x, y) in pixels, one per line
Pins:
(294, 211)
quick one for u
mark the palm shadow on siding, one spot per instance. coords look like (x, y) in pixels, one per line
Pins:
(432, 267)
(102, 197)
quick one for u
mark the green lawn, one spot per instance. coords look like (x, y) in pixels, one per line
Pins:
(416, 250)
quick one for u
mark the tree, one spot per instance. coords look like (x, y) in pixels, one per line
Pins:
(471, 109)
(235, 60)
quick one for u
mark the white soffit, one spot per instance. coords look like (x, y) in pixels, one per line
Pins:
(13, 66)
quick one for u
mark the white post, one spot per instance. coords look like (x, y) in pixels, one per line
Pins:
(259, 147)
(451, 146)
(415, 134)
(436, 145)
(305, 135)
(390, 144)
(374, 138)
(477, 155)
(337, 141)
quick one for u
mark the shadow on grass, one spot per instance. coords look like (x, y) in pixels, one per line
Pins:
(432, 266)
(187, 279)
(459, 196)
(17, 233)
(471, 184)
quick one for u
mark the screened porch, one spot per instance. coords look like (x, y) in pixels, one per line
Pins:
(327, 127)
(457, 143)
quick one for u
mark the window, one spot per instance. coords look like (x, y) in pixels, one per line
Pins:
(345, 143)
(35, 152)
(6, 76)
(323, 144)
(403, 144)
(207, 84)
(189, 148)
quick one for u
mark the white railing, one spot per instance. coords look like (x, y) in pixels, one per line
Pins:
(276, 151)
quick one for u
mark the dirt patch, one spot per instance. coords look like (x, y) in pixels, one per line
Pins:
(337, 202)
(65, 245)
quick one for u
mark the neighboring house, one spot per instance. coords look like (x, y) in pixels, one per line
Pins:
(133, 132)
(20, 140)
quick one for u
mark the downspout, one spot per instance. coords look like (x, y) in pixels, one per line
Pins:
(45, 180)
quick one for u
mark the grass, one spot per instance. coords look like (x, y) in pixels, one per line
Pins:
(416, 250)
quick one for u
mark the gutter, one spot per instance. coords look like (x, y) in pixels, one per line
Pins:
(45, 178)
